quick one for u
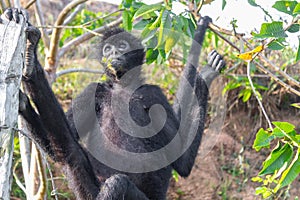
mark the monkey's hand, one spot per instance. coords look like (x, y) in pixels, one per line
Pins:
(33, 36)
(213, 68)
(204, 21)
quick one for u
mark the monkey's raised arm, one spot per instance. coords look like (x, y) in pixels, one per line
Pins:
(200, 84)
(190, 70)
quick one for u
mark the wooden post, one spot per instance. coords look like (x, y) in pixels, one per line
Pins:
(12, 53)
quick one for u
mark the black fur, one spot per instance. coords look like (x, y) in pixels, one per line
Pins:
(58, 133)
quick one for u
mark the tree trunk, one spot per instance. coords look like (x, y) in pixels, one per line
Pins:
(12, 52)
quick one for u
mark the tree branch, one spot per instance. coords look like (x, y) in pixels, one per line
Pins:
(74, 70)
(29, 4)
(86, 37)
(51, 57)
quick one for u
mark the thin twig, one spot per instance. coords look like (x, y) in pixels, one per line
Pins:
(212, 28)
(258, 100)
(224, 31)
(68, 71)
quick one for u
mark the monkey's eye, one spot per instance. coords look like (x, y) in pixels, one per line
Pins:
(123, 45)
(107, 48)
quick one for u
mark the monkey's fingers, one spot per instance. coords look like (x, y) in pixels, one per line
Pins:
(212, 56)
(220, 65)
(8, 14)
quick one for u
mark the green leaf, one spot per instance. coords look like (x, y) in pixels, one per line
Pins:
(141, 24)
(294, 28)
(260, 190)
(165, 25)
(126, 3)
(171, 40)
(278, 133)
(151, 55)
(278, 157)
(297, 9)
(284, 126)
(285, 6)
(298, 51)
(223, 4)
(296, 105)
(291, 173)
(127, 23)
(246, 95)
(274, 29)
(252, 3)
(263, 139)
(277, 44)
(147, 9)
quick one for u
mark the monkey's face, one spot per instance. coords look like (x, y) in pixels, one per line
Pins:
(114, 53)
(121, 52)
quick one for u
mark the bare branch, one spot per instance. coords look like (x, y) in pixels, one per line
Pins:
(86, 37)
(51, 57)
(8, 4)
(2, 6)
(30, 3)
(74, 70)
(40, 21)
(273, 66)
(73, 15)
(275, 78)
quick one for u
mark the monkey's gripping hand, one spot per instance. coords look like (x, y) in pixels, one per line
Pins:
(33, 36)
(213, 68)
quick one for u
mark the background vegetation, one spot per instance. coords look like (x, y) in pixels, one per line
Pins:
(257, 155)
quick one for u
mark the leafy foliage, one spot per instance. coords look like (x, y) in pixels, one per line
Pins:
(282, 166)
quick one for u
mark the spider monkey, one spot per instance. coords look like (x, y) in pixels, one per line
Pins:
(60, 134)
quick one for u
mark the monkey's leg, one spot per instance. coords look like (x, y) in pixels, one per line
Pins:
(120, 187)
(36, 127)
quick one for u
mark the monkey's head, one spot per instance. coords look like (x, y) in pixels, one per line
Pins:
(120, 51)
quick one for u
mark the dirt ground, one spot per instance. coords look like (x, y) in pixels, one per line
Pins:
(226, 171)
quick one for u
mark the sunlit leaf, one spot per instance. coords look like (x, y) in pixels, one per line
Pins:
(249, 55)
(146, 9)
(291, 173)
(298, 50)
(274, 29)
(263, 139)
(245, 56)
(278, 157)
(278, 132)
(296, 105)
(285, 6)
(297, 9)
(171, 40)
(285, 126)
